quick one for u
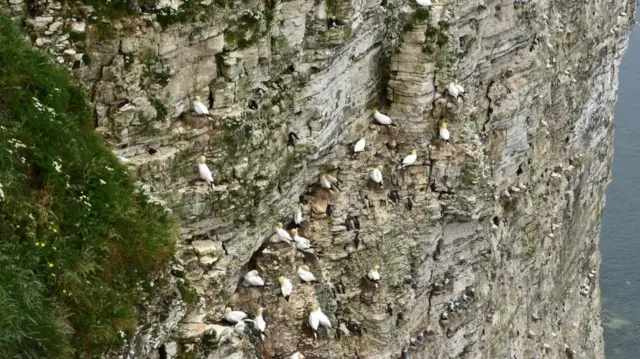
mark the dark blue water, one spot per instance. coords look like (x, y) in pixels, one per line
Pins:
(620, 238)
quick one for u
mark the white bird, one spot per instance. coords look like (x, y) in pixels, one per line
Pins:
(302, 243)
(259, 323)
(234, 316)
(252, 279)
(444, 133)
(359, 146)
(376, 176)
(317, 318)
(459, 87)
(425, 3)
(410, 159)
(285, 287)
(297, 355)
(205, 172)
(383, 119)
(325, 182)
(199, 108)
(297, 215)
(241, 327)
(328, 181)
(305, 274)
(282, 233)
(374, 275)
(453, 90)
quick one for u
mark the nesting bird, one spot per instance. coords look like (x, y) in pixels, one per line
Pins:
(453, 90)
(327, 181)
(383, 119)
(285, 287)
(410, 159)
(425, 3)
(252, 279)
(302, 243)
(317, 318)
(359, 146)
(199, 108)
(297, 355)
(282, 233)
(205, 172)
(234, 316)
(376, 176)
(444, 133)
(305, 274)
(259, 324)
(374, 275)
(241, 327)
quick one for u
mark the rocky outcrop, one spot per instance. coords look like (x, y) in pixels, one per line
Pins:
(486, 245)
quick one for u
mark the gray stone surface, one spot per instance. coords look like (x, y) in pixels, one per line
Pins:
(504, 224)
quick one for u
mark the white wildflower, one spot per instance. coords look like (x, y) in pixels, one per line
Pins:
(57, 166)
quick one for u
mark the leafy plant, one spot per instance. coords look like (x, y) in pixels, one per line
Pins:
(78, 241)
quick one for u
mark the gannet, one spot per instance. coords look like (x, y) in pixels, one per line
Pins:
(285, 287)
(328, 181)
(410, 159)
(383, 119)
(259, 323)
(234, 316)
(317, 318)
(425, 3)
(253, 279)
(376, 176)
(374, 275)
(453, 90)
(241, 327)
(459, 87)
(444, 133)
(282, 233)
(205, 172)
(302, 243)
(305, 274)
(297, 215)
(297, 355)
(359, 146)
(199, 108)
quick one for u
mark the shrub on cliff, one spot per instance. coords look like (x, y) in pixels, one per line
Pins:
(78, 242)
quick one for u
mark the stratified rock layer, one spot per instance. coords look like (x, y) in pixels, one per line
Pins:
(498, 231)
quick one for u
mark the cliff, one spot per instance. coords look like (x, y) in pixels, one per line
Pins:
(499, 230)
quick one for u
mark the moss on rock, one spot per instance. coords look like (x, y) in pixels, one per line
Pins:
(79, 242)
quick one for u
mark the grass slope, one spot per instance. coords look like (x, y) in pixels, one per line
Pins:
(77, 241)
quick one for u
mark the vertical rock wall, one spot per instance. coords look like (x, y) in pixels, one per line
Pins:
(498, 231)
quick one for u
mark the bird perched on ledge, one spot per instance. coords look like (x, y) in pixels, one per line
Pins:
(199, 108)
(383, 119)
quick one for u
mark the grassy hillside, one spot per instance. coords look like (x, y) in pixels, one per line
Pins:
(77, 241)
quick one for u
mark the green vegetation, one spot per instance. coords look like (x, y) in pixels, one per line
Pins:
(79, 244)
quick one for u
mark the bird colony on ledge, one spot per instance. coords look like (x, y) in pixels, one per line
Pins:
(257, 326)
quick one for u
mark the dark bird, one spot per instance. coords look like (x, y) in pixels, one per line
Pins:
(292, 139)
(409, 204)
(394, 196)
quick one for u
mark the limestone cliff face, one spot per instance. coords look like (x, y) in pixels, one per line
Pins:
(499, 230)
